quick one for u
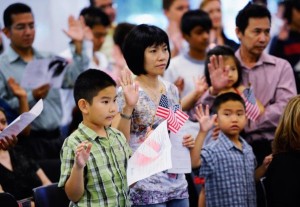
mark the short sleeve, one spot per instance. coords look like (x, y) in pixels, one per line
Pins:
(207, 163)
(67, 156)
(120, 99)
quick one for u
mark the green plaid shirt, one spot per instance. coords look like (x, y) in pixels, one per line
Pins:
(105, 173)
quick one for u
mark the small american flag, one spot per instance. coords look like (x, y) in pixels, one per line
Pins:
(175, 118)
(163, 107)
(252, 110)
(180, 115)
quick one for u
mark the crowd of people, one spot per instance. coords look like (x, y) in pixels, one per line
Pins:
(241, 98)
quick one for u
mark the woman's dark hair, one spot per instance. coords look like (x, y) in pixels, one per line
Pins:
(136, 42)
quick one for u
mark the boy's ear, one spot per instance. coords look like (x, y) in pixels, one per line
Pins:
(83, 105)
(238, 33)
(216, 120)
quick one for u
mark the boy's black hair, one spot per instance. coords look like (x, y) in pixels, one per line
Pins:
(194, 18)
(121, 32)
(17, 8)
(89, 83)
(136, 42)
(225, 97)
(226, 52)
(251, 10)
(94, 16)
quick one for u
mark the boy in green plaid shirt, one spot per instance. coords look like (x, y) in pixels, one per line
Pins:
(94, 157)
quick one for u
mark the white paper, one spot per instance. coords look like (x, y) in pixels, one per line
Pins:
(153, 156)
(181, 158)
(23, 120)
(38, 72)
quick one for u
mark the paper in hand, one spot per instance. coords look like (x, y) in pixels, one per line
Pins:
(44, 71)
(22, 121)
(153, 156)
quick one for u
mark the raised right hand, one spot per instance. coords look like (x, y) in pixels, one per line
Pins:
(218, 73)
(130, 88)
(82, 154)
(8, 142)
(205, 120)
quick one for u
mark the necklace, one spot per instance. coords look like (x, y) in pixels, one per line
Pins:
(154, 94)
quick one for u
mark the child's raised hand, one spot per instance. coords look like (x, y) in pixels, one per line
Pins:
(188, 141)
(205, 120)
(130, 88)
(218, 73)
(82, 154)
(200, 84)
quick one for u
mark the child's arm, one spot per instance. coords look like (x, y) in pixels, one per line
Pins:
(261, 170)
(206, 122)
(74, 186)
(190, 99)
(131, 94)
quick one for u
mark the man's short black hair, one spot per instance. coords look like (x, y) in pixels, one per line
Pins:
(251, 10)
(289, 6)
(194, 18)
(225, 51)
(89, 83)
(225, 97)
(136, 42)
(121, 32)
(94, 16)
(17, 8)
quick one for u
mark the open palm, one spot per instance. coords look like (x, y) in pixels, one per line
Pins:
(218, 72)
(205, 120)
(130, 88)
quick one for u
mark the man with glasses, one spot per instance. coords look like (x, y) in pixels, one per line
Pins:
(44, 141)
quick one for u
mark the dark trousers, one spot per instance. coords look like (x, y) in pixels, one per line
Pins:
(41, 145)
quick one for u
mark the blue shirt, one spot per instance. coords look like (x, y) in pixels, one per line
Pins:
(228, 173)
(12, 65)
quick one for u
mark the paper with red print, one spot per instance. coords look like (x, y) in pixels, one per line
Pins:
(153, 156)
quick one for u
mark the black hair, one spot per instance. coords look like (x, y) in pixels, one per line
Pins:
(94, 16)
(194, 18)
(225, 97)
(136, 42)
(251, 10)
(166, 4)
(17, 8)
(89, 83)
(226, 52)
(289, 6)
(121, 31)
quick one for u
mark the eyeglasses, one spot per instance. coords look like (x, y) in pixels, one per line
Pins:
(109, 6)
(22, 27)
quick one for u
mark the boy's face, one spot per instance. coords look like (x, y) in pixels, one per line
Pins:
(102, 110)
(231, 118)
(99, 34)
(198, 39)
